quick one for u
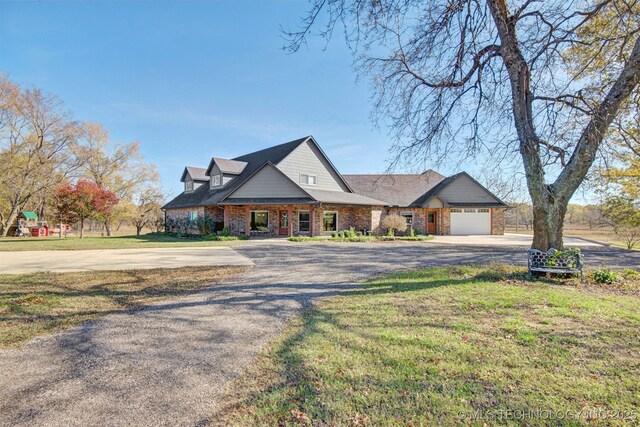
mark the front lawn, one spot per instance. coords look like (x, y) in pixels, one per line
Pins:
(152, 240)
(34, 304)
(451, 346)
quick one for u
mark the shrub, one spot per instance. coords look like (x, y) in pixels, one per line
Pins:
(605, 276)
(631, 274)
(225, 232)
(394, 223)
(351, 233)
(412, 232)
(359, 234)
(204, 224)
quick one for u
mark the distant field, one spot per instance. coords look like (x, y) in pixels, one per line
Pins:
(116, 242)
(604, 234)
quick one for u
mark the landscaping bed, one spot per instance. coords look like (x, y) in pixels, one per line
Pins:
(453, 346)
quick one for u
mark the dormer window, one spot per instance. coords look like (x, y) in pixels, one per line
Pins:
(215, 180)
(306, 179)
(188, 186)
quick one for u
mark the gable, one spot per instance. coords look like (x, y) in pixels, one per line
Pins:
(268, 182)
(308, 160)
(464, 189)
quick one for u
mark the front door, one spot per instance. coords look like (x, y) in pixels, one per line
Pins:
(284, 223)
(432, 219)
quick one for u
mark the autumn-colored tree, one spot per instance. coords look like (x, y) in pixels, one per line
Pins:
(38, 148)
(63, 203)
(116, 167)
(84, 200)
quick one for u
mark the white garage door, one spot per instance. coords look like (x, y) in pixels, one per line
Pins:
(470, 221)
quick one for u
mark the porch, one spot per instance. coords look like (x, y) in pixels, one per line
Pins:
(298, 220)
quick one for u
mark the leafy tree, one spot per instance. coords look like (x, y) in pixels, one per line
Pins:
(38, 147)
(472, 76)
(117, 167)
(82, 201)
(148, 209)
(625, 216)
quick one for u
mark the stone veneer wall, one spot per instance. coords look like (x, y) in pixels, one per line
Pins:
(445, 221)
(497, 221)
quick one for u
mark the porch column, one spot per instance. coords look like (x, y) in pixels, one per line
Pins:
(247, 220)
(290, 216)
(227, 216)
(312, 220)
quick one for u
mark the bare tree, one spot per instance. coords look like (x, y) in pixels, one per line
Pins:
(470, 76)
(38, 148)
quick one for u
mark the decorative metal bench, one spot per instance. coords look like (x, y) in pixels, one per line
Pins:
(554, 261)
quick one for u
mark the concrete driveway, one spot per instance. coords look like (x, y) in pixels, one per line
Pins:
(510, 240)
(167, 364)
(119, 259)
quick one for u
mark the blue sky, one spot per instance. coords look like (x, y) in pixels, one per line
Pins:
(192, 80)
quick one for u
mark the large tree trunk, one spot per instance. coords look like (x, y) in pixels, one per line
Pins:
(550, 200)
(81, 228)
(10, 220)
(107, 227)
(139, 229)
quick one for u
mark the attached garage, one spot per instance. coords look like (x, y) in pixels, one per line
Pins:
(470, 221)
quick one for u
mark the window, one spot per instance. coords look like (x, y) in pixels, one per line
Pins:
(188, 186)
(308, 179)
(409, 217)
(456, 210)
(483, 210)
(259, 221)
(330, 221)
(304, 221)
(215, 180)
(469, 211)
(193, 215)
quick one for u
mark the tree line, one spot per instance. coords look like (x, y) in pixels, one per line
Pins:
(66, 170)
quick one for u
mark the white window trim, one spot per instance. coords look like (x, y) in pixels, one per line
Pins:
(310, 219)
(456, 210)
(337, 221)
(306, 182)
(188, 188)
(258, 211)
(193, 217)
(213, 180)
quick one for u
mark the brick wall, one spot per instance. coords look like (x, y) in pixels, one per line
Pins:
(182, 214)
(360, 218)
(419, 217)
(497, 221)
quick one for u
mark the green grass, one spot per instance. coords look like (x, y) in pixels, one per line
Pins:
(430, 347)
(153, 240)
(35, 304)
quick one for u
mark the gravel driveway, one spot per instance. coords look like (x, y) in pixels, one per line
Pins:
(166, 364)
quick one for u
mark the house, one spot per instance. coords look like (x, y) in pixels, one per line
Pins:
(294, 189)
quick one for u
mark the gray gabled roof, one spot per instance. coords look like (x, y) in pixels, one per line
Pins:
(197, 174)
(433, 192)
(204, 196)
(232, 167)
(396, 189)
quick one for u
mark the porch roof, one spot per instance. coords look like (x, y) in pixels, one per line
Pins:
(268, 201)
